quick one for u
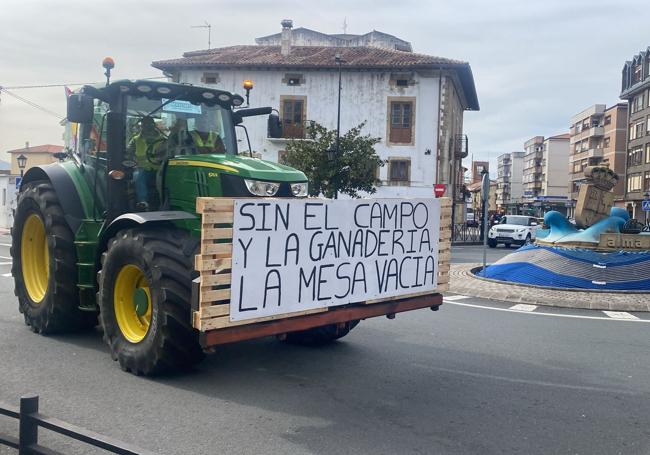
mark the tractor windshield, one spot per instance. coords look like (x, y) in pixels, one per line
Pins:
(179, 127)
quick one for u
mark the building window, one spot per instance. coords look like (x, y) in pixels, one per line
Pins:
(292, 112)
(608, 120)
(402, 83)
(606, 142)
(637, 103)
(647, 153)
(210, 78)
(399, 170)
(293, 79)
(401, 121)
(282, 157)
(637, 73)
(634, 156)
(646, 181)
(633, 182)
(639, 130)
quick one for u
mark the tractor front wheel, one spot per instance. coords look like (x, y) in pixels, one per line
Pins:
(144, 295)
(44, 263)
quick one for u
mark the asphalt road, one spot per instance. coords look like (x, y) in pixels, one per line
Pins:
(463, 380)
(474, 253)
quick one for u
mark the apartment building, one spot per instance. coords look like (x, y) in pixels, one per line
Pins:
(545, 174)
(597, 137)
(532, 174)
(635, 88)
(509, 189)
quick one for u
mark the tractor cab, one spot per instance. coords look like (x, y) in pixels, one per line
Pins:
(147, 146)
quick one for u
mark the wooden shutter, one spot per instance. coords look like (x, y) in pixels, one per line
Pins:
(292, 118)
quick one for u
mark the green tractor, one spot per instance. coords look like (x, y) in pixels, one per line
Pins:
(112, 229)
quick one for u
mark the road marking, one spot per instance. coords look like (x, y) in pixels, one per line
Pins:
(5, 244)
(523, 307)
(452, 298)
(571, 316)
(7, 275)
(620, 315)
(5, 257)
(5, 263)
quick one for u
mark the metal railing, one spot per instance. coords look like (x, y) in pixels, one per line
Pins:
(29, 421)
(465, 234)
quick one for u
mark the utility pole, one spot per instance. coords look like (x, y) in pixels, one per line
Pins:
(209, 27)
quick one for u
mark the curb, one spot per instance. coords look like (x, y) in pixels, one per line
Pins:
(463, 281)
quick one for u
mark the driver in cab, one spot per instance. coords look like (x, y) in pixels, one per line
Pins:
(204, 139)
(147, 148)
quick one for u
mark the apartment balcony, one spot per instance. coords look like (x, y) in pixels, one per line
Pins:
(594, 131)
(588, 153)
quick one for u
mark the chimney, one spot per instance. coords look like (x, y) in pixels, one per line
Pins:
(285, 41)
(27, 146)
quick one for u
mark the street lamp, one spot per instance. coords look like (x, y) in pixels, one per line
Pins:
(22, 162)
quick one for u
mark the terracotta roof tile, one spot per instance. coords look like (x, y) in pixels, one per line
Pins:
(45, 148)
(305, 57)
(322, 57)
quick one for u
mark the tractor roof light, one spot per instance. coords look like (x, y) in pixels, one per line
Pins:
(108, 63)
(248, 84)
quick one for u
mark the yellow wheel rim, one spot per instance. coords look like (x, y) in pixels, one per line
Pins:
(133, 320)
(35, 258)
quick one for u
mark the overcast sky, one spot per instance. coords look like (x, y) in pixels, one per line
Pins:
(535, 63)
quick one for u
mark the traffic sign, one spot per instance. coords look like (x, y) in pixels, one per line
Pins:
(439, 189)
(645, 205)
(18, 180)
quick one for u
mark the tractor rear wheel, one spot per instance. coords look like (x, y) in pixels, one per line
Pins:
(321, 335)
(44, 263)
(144, 298)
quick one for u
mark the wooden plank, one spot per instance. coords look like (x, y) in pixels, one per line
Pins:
(207, 297)
(217, 218)
(400, 297)
(215, 280)
(223, 322)
(215, 311)
(445, 202)
(216, 233)
(219, 250)
(443, 268)
(214, 204)
(443, 287)
(208, 265)
(445, 234)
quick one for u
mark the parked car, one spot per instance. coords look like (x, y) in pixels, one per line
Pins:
(517, 229)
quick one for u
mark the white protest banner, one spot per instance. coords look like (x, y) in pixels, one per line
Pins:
(292, 255)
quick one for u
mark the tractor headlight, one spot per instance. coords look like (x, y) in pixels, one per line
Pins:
(299, 189)
(260, 188)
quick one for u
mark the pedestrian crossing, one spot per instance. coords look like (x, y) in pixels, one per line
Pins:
(541, 310)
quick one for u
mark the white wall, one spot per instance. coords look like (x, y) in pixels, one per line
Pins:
(557, 174)
(7, 200)
(516, 177)
(364, 97)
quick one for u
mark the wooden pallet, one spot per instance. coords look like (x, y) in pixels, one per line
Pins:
(214, 263)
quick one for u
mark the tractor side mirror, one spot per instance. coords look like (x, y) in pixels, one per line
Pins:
(274, 126)
(80, 108)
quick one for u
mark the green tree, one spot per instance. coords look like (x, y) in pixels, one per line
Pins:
(353, 170)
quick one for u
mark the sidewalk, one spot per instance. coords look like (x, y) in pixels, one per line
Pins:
(462, 281)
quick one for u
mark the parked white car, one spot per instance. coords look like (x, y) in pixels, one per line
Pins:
(517, 229)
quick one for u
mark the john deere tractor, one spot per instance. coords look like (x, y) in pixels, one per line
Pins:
(112, 229)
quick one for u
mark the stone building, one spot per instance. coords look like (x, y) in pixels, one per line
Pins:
(415, 103)
(635, 88)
